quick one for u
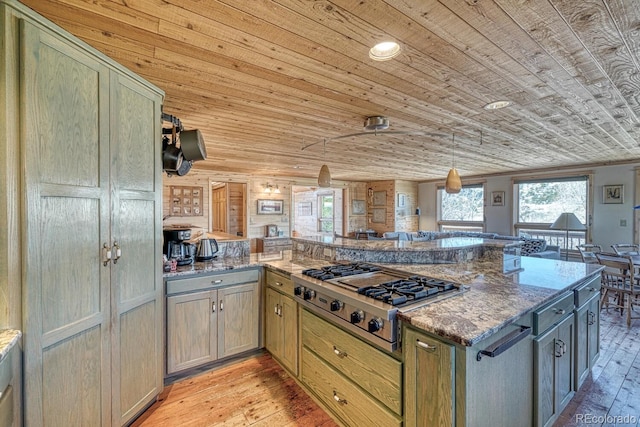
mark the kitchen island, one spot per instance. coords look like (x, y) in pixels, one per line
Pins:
(440, 358)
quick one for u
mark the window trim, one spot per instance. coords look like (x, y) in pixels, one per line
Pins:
(478, 224)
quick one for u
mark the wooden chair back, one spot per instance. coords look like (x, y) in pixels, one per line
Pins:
(588, 252)
(626, 249)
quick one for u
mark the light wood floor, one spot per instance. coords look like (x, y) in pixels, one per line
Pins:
(254, 392)
(613, 389)
(257, 392)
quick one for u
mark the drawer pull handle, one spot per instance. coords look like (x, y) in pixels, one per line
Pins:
(213, 306)
(559, 311)
(216, 282)
(505, 343)
(339, 399)
(558, 349)
(221, 306)
(278, 284)
(341, 354)
(106, 250)
(118, 252)
(426, 346)
(592, 318)
(275, 310)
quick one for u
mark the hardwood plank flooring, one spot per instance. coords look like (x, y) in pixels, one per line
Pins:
(254, 392)
(613, 388)
(258, 392)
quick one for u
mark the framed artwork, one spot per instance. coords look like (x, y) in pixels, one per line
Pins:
(357, 207)
(186, 201)
(379, 198)
(379, 215)
(270, 207)
(304, 209)
(402, 200)
(271, 230)
(497, 198)
(613, 194)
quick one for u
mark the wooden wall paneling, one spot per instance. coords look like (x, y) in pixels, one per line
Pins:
(389, 206)
(198, 222)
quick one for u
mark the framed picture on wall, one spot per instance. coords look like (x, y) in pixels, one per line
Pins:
(613, 194)
(270, 207)
(379, 198)
(379, 215)
(497, 198)
(357, 207)
(402, 200)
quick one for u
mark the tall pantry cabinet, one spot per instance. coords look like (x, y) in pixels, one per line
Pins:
(82, 137)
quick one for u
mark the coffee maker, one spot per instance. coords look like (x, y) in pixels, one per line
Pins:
(176, 247)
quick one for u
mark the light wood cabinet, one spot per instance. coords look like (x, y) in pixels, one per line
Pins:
(429, 380)
(554, 371)
(281, 320)
(358, 383)
(88, 222)
(211, 317)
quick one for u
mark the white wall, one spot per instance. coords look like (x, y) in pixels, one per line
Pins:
(606, 225)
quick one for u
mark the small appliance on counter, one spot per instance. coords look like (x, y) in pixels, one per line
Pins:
(207, 249)
(175, 245)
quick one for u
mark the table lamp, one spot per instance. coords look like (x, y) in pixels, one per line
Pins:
(567, 221)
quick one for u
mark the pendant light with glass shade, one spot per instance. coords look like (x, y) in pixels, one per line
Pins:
(453, 184)
(324, 177)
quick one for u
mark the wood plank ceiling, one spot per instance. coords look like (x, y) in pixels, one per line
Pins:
(263, 79)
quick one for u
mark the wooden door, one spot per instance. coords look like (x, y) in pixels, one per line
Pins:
(238, 321)
(273, 322)
(64, 94)
(429, 397)
(191, 330)
(236, 208)
(566, 363)
(289, 333)
(136, 239)
(219, 208)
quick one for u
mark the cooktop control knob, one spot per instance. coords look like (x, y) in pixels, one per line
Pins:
(308, 294)
(375, 324)
(357, 316)
(336, 305)
(298, 290)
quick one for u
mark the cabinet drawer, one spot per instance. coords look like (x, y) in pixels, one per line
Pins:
(210, 281)
(276, 242)
(552, 313)
(374, 371)
(341, 396)
(279, 282)
(584, 292)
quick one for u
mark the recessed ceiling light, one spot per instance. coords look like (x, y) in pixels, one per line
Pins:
(297, 167)
(496, 105)
(384, 51)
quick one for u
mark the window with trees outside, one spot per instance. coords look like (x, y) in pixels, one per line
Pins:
(463, 211)
(325, 213)
(541, 201)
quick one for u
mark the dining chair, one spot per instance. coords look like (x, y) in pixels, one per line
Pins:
(626, 249)
(619, 278)
(588, 252)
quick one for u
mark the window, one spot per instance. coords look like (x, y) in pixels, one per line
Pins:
(463, 211)
(325, 213)
(541, 201)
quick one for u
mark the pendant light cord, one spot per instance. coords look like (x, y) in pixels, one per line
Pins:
(453, 160)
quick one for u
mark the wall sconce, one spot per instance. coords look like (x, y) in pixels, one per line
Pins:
(268, 188)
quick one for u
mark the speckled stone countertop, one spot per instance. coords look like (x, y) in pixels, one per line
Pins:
(8, 338)
(494, 300)
(407, 245)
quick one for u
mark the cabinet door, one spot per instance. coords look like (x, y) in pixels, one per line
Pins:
(429, 380)
(273, 322)
(554, 366)
(66, 289)
(238, 322)
(191, 330)
(289, 333)
(136, 236)
(593, 334)
(582, 344)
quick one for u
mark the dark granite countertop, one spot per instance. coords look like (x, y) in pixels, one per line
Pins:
(494, 300)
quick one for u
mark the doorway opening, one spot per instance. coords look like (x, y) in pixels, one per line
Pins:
(229, 208)
(317, 211)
